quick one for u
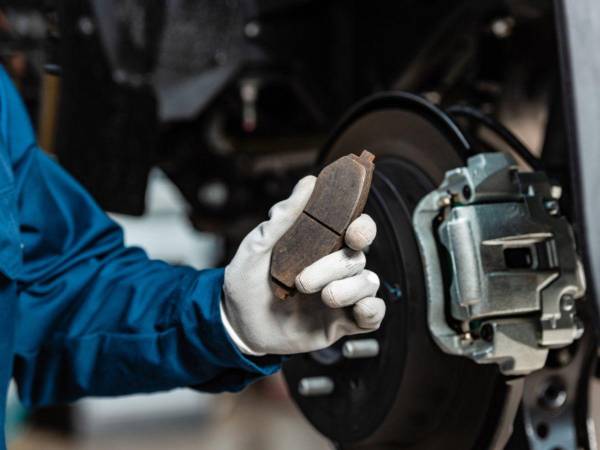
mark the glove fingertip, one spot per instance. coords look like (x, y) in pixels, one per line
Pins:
(308, 181)
(303, 285)
(328, 296)
(303, 190)
(369, 312)
(361, 233)
(282, 215)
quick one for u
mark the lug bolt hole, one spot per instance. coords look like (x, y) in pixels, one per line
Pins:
(554, 395)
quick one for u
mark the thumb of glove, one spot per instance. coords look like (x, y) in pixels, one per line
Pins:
(283, 214)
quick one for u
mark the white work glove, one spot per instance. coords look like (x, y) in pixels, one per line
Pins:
(336, 295)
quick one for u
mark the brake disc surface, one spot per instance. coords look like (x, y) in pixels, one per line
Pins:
(410, 394)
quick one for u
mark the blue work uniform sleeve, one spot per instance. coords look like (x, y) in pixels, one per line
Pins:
(95, 317)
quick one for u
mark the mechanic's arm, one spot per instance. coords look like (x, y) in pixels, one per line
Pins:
(97, 318)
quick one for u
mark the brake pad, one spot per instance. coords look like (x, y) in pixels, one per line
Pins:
(339, 197)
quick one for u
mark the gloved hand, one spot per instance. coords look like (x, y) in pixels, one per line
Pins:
(336, 295)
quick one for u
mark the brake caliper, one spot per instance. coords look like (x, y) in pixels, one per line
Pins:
(501, 269)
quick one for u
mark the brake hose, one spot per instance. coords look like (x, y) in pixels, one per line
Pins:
(500, 130)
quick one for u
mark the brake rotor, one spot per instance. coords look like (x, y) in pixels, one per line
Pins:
(411, 394)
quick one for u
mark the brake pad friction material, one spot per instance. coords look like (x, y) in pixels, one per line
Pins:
(339, 197)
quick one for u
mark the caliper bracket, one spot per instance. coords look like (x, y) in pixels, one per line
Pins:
(510, 263)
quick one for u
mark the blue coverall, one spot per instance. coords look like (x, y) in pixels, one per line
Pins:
(81, 314)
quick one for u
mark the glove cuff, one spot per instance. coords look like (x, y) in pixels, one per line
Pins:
(234, 336)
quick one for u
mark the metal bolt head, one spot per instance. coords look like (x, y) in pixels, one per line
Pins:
(466, 339)
(553, 395)
(444, 201)
(315, 386)
(360, 348)
(567, 302)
